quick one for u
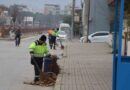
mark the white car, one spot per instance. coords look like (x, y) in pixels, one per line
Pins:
(62, 35)
(100, 36)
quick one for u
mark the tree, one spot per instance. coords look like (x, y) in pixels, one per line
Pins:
(2, 21)
(67, 19)
(2, 8)
(15, 10)
(127, 12)
(127, 7)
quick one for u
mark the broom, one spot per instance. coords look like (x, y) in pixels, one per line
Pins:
(62, 46)
(44, 78)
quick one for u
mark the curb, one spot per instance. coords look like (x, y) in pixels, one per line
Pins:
(59, 77)
(58, 83)
(6, 39)
(22, 38)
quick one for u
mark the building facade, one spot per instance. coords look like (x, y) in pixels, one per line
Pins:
(68, 9)
(99, 16)
(51, 9)
(5, 19)
(95, 16)
(111, 5)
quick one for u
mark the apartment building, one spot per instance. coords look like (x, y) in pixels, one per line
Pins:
(51, 9)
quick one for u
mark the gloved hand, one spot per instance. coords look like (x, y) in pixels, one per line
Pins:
(48, 55)
(31, 55)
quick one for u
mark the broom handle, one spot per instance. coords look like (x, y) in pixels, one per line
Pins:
(60, 42)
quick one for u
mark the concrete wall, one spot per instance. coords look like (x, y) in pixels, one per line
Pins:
(99, 16)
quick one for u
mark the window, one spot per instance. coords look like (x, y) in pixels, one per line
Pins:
(100, 34)
(61, 33)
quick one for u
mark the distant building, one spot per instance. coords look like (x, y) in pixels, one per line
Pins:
(28, 21)
(51, 9)
(4, 13)
(67, 9)
(111, 4)
(5, 19)
(96, 16)
(99, 16)
(77, 15)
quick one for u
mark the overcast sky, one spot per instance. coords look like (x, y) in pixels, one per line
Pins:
(38, 5)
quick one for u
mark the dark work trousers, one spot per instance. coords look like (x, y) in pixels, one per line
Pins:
(54, 42)
(50, 43)
(37, 62)
(17, 40)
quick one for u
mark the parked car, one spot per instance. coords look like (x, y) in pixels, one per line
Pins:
(100, 36)
(62, 35)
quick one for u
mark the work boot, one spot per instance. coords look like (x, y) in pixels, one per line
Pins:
(50, 46)
(54, 47)
(36, 79)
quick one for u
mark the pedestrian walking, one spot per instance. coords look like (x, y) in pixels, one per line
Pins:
(17, 37)
(38, 49)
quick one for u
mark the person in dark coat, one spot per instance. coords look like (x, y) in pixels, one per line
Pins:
(17, 37)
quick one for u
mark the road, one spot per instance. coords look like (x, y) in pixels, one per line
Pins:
(15, 67)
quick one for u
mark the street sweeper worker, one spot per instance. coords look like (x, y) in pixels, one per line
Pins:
(38, 49)
(52, 38)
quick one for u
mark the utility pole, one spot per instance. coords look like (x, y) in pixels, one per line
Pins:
(85, 18)
(81, 21)
(88, 20)
(72, 22)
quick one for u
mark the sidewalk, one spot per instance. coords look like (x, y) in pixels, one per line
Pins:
(86, 67)
(7, 38)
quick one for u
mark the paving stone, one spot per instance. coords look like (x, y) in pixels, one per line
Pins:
(87, 67)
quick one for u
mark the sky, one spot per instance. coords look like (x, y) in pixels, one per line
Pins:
(38, 5)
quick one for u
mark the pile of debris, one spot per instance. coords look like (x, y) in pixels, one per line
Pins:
(49, 75)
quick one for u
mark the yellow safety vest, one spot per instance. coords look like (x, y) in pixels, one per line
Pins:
(38, 50)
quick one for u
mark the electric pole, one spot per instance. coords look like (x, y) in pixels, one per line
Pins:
(85, 18)
(88, 20)
(72, 22)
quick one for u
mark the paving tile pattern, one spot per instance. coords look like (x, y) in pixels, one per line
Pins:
(87, 67)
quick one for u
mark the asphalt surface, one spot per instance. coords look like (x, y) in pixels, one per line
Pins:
(86, 67)
(15, 67)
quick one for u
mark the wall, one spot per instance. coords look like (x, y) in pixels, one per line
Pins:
(99, 16)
